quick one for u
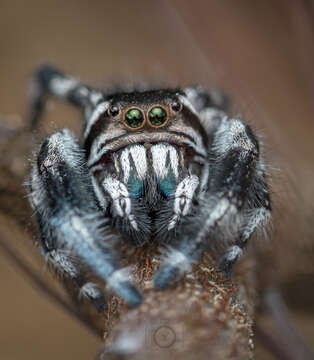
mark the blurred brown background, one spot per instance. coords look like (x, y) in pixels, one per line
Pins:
(260, 52)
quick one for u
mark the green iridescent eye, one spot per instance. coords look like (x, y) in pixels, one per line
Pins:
(157, 116)
(134, 118)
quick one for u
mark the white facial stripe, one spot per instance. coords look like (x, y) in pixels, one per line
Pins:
(193, 134)
(159, 157)
(125, 165)
(138, 154)
(174, 160)
(99, 110)
(160, 154)
(96, 150)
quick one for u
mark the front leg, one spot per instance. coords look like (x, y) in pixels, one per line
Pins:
(236, 203)
(69, 219)
(203, 98)
(63, 263)
(49, 81)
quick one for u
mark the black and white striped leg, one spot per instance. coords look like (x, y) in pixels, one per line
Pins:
(212, 105)
(214, 214)
(247, 183)
(257, 219)
(202, 98)
(236, 184)
(49, 81)
(64, 264)
(68, 217)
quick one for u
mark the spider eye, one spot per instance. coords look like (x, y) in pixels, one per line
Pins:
(134, 118)
(157, 116)
(114, 110)
(176, 106)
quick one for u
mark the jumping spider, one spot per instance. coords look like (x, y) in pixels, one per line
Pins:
(168, 166)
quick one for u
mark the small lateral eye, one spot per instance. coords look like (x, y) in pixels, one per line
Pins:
(114, 110)
(176, 106)
(157, 116)
(134, 118)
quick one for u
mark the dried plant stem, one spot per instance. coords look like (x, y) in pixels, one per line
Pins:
(203, 317)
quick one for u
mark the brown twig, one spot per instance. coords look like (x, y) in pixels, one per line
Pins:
(203, 317)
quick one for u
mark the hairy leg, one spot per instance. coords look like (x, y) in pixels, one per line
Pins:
(50, 81)
(69, 219)
(237, 197)
(66, 265)
(202, 98)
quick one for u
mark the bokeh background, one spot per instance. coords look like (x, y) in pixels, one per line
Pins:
(260, 52)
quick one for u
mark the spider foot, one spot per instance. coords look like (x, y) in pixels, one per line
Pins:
(167, 276)
(91, 292)
(175, 265)
(229, 259)
(120, 284)
(130, 294)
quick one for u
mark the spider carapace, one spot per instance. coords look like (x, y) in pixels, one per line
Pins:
(169, 166)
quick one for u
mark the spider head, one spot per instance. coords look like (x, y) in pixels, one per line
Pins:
(146, 111)
(147, 117)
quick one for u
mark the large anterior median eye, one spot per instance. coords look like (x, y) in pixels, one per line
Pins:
(134, 118)
(157, 116)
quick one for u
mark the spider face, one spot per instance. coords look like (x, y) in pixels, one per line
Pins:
(151, 141)
(168, 166)
(148, 110)
(147, 118)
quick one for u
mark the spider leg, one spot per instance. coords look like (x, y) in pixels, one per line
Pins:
(258, 218)
(68, 216)
(203, 98)
(63, 263)
(237, 187)
(50, 81)
(211, 105)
